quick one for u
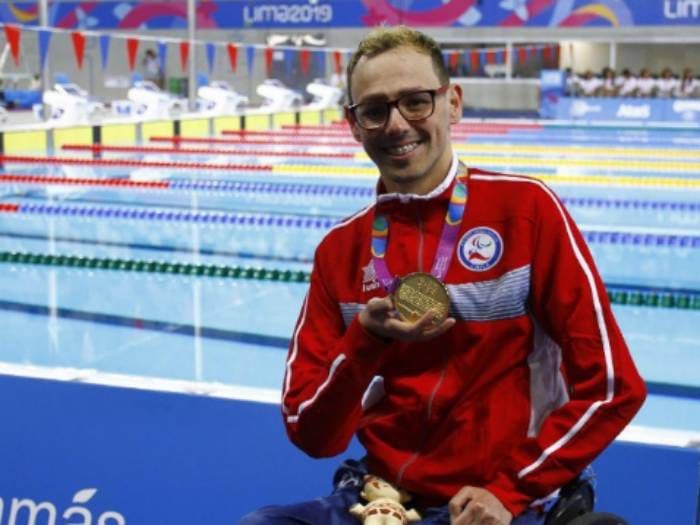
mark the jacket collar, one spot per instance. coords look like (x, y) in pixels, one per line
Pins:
(403, 198)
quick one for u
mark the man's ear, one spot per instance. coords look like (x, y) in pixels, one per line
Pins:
(455, 101)
(354, 128)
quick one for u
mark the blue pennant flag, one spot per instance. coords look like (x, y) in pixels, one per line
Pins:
(482, 58)
(321, 62)
(162, 56)
(211, 56)
(250, 56)
(446, 58)
(288, 61)
(44, 36)
(500, 57)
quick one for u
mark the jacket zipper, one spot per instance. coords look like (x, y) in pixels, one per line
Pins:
(429, 414)
(431, 398)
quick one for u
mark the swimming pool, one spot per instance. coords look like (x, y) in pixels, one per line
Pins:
(138, 263)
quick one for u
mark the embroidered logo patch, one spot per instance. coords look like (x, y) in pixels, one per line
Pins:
(480, 249)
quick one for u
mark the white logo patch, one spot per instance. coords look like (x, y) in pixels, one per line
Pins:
(480, 249)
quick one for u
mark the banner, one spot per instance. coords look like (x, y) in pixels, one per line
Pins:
(320, 14)
(624, 110)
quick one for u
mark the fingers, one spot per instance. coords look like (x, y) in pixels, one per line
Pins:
(380, 318)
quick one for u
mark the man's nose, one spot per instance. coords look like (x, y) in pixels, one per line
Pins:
(395, 121)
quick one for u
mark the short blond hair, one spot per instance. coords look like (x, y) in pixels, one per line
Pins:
(386, 38)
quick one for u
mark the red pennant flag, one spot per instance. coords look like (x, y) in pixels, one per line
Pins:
(132, 46)
(232, 56)
(12, 34)
(522, 55)
(268, 60)
(78, 47)
(475, 61)
(546, 54)
(506, 54)
(557, 55)
(304, 58)
(454, 60)
(338, 59)
(490, 57)
(184, 54)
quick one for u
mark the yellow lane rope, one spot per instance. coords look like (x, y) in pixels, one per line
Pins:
(607, 180)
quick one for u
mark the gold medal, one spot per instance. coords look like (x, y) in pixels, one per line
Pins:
(419, 292)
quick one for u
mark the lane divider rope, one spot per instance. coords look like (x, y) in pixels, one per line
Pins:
(618, 294)
(202, 151)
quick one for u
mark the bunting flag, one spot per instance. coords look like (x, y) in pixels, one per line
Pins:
(268, 60)
(288, 64)
(522, 55)
(546, 53)
(482, 58)
(321, 62)
(250, 59)
(304, 58)
(12, 34)
(454, 60)
(232, 56)
(337, 59)
(498, 56)
(78, 47)
(104, 50)
(184, 54)
(162, 55)
(490, 57)
(132, 47)
(446, 58)
(44, 36)
(211, 56)
(475, 62)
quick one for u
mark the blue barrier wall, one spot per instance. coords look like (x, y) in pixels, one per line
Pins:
(685, 111)
(152, 458)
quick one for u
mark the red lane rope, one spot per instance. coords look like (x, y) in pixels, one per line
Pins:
(204, 151)
(128, 162)
(9, 208)
(264, 139)
(38, 179)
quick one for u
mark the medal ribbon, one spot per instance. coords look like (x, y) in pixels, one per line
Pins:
(448, 237)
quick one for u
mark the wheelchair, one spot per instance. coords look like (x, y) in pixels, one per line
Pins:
(575, 507)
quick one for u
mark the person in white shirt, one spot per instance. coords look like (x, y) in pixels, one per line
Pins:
(608, 88)
(589, 84)
(666, 85)
(626, 84)
(646, 84)
(687, 86)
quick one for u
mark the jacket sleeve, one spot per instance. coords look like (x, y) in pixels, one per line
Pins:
(329, 367)
(569, 301)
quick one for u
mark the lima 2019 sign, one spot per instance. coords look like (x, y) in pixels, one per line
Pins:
(231, 14)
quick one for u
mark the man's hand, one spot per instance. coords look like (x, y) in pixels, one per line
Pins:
(477, 506)
(381, 319)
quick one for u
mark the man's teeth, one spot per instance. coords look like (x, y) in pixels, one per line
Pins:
(402, 150)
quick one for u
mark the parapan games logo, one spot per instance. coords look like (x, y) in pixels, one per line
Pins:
(26, 511)
(480, 249)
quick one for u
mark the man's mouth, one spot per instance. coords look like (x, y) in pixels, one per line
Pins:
(403, 149)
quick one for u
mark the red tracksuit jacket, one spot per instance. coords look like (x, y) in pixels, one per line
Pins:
(533, 381)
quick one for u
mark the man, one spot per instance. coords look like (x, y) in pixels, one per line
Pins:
(480, 415)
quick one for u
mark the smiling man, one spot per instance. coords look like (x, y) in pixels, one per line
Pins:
(457, 325)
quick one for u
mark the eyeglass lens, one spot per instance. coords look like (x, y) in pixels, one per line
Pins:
(413, 106)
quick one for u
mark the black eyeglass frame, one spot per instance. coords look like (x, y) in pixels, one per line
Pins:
(395, 103)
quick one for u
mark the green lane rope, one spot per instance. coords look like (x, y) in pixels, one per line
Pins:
(128, 265)
(680, 299)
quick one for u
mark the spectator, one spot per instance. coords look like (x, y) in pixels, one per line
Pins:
(687, 86)
(608, 88)
(626, 84)
(151, 68)
(666, 85)
(646, 84)
(589, 84)
(35, 82)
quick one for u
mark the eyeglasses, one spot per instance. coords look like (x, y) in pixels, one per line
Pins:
(418, 105)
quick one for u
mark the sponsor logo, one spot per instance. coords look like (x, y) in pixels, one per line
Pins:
(480, 249)
(634, 111)
(675, 9)
(26, 511)
(288, 14)
(369, 278)
(580, 108)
